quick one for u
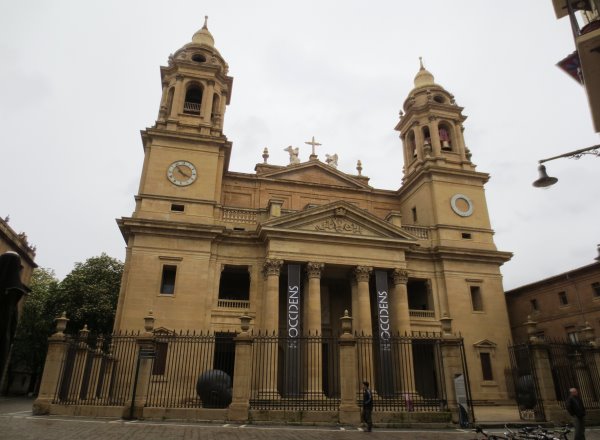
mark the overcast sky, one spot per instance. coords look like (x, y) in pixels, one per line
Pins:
(80, 79)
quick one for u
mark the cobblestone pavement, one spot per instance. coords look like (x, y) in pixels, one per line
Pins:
(16, 422)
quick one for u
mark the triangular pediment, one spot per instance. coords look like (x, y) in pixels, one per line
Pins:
(315, 172)
(485, 343)
(338, 219)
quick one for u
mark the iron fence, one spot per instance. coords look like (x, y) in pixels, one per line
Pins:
(295, 373)
(192, 370)
(97, 370)
(572, 365)
(405, 372)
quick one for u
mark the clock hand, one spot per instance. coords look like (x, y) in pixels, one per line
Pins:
(181, 171)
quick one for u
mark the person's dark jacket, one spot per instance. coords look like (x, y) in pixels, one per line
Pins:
(367, 399)
(575, 406)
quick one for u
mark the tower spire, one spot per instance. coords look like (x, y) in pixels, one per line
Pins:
(203, 36)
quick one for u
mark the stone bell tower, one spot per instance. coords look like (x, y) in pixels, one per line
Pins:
(178, 205)
(443, 193)
(440, 183)
(186, 153)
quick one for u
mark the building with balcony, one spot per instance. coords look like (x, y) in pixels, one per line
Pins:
(584, 63)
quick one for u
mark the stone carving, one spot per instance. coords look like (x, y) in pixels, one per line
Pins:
(294, 159)
(336, 224)
(332, 160)
(272, 267)
(400, 276)
(339, 212)
(362, 273)
(313, 270)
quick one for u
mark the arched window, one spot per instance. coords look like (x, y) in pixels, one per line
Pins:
(445, 132)
(411, 144)
(426, 136)
(193, 99)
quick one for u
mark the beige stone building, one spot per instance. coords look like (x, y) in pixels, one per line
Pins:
(207, 244)
(561, 305)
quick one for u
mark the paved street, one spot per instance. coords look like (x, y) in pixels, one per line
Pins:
(16, 423)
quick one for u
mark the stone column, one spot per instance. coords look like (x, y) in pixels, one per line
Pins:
(270, 312)
(55, 358)
(355, 309)
(240, 403)
(364, 325)
(543, 373)
(206, 104)
(399, 311)
(146, 352)
(270, 325)
(399, 303)
(178, 97)
(362, 274)
(314, 361)
(313, 270)
(436, 143)
(460, 144)
(349, 412)
(419, 141)
(452, 367)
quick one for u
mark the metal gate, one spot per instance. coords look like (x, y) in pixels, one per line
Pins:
(525, 382)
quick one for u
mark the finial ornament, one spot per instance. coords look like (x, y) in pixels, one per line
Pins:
(265, 154)
(205, 22)
(359, 167)
(421, 63)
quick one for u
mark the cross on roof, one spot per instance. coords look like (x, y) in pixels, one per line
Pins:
(313, 144)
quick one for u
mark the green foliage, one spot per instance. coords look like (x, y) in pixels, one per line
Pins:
(88, 294)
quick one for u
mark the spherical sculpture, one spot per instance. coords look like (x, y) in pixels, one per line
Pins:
(214, 389)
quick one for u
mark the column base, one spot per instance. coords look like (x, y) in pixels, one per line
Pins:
(41, 407)
(349, 414)
(238, 412)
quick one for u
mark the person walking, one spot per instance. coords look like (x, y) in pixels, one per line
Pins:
(367, 408)
(576, 409)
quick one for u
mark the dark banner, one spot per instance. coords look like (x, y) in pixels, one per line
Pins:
(386, 377)
(293, 329)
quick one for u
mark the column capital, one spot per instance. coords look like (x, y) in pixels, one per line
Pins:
(272, 267)
(400, 276)
(362, 273)
(313, 270)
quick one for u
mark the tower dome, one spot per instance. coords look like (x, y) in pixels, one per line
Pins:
(423, 77)
(203, 36)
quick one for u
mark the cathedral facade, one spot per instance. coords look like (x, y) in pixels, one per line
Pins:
(206, 244)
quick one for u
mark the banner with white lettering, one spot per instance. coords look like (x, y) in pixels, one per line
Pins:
(293, 328)
(386, 374)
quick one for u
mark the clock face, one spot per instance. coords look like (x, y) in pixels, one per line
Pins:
(461, 205)
(182, 173)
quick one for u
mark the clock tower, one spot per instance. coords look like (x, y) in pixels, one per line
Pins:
(186, 156)
(185, 152)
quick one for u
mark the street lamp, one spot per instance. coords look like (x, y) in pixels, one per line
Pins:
(545, 181)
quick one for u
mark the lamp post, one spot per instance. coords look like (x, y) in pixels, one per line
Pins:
(545, 181)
